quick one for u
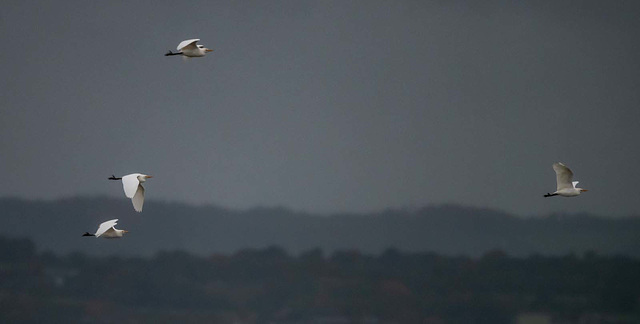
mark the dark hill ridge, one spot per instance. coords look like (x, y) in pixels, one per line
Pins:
(448, 229)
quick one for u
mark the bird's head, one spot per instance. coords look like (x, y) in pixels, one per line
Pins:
(576, 187)
(204, 48)
(125, 231)
(144, 177)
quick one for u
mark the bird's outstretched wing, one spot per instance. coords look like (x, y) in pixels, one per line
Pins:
(138, 199)
(188, 44)
(130, 184)
(564, 176)
(104, 227)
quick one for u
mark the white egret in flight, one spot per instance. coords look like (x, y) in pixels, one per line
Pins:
(132, 184)
(108, 230)
(189, 48)
(566, 185)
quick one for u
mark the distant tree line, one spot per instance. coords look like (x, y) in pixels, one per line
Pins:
(202, 230)
(271, 286)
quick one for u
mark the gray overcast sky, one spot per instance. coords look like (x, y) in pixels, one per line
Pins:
(325, 106)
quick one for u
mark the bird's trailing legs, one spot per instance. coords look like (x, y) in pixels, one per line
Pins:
(113, 177)
(550, 195)
(169, 53)
(88, 234)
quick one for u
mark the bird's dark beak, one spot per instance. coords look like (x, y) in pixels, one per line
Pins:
(208, 50)
(149, 176)
(584, 189)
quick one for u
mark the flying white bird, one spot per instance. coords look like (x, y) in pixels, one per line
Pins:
(108, 230)
(189, 48)
(132, 184)
(566, 185)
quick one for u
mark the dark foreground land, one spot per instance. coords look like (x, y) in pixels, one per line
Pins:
(271, 286)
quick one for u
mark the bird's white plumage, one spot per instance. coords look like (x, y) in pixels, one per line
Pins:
(106, 227)
(564, 176)
(138, 199)
(133, 188)
(188, 42)
(189, 48)
(130, 184)
(565, 185)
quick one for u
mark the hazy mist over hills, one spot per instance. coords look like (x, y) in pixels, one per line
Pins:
(204, 230)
